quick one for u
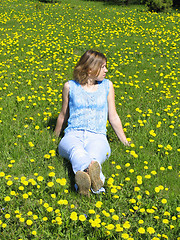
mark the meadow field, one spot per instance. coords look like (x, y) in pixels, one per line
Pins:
(40, 44)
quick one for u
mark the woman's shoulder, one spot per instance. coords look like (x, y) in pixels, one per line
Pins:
(66, 85)
(108, 84)
(65, 90)
(107, 81)
(69, 83)
(71, 86)
(73, 82)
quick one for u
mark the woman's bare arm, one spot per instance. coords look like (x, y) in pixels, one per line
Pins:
(114, 118)
(64, 114)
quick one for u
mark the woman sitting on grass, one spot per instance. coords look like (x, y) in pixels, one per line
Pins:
(87, 102)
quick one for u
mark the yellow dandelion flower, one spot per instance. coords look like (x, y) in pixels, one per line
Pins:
(65, 202)
(147, 192)
(112, 210)
(2, 174)
(140, 221)
(51, 174)
(118, 167)
(110, 226)
(4, 225)
(21, 219)
(164, 236)
(9, 183)
(7, 199)
(157, 189)
(139, 182)
(58, 212)
(126, 225)
(62, 181)
(35, 217)
(25, 195)
(164, 201)
(132, 200)
(91, 211)
(30, 213)
(7, 216)
(115, 217)
(40, 178)
(166, 213)
(142, 210)
(127, 164)
(125, 235)
(150, 230)
(99, 204)
(136, 189)
(46, 205)
(110, 181)
(29, 222)
(141, 230)
(13, 193)
(139, 197)
(53, 195)
(73, 216)
(34, 233)
(82, 218)
(119, 228)
(116, 196)
(114, 190)
(139, 177)
(166, 221)
(107, 233)
(50, 184)
(106, 213)
(31, 144)
(127, 179)
(49, 209)
(161, 187)
(150, 210)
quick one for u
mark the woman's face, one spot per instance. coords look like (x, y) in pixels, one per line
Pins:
(102, 72)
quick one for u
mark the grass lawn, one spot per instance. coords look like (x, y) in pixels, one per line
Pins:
(40, 45)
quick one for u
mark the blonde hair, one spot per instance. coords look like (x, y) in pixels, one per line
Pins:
(90, 63)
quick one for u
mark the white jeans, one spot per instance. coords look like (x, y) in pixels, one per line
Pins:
(82, 147)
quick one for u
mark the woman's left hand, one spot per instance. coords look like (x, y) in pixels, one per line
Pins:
(126, 143)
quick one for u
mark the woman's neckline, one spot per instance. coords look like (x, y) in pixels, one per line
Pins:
(93, 90)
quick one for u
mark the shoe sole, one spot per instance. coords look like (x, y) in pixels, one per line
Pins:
(94, 173)
(83, 181)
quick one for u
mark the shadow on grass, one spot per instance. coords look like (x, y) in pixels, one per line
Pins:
(68, 169)
(117, 2)
(66, 163)
(51, 123)
(50, 1)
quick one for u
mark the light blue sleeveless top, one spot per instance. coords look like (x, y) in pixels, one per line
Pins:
(88, 110)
